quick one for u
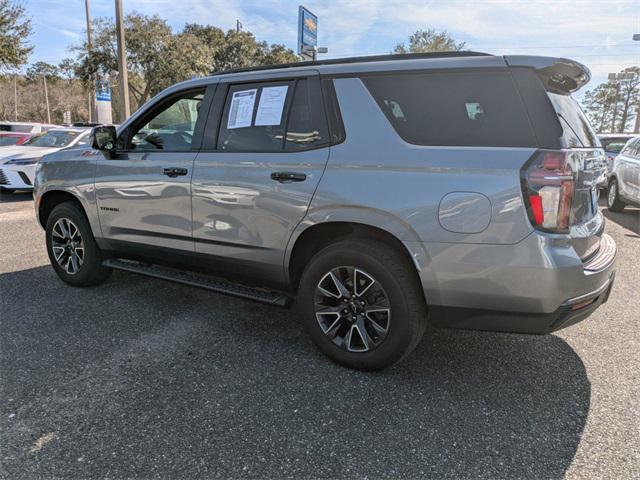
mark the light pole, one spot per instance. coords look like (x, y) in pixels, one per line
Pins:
(15, 96)
(636, 127)
(46, 97)
(122, 63)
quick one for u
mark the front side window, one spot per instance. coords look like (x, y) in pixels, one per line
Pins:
(170, 129)
(272, 117)
(453, 109)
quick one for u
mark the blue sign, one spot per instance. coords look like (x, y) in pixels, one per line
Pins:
(307, 31)
(103, 90)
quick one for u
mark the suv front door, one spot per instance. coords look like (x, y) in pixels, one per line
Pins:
(144, 192)
(265, 148)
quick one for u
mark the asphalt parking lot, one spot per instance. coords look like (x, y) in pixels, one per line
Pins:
(140, 378)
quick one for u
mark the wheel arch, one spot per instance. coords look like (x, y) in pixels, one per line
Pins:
(312, 236)
(51, 199)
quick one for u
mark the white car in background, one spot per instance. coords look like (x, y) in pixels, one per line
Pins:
(624, 179)
(18, 163)
(25, 127)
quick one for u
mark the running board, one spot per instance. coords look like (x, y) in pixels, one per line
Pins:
(194, 279)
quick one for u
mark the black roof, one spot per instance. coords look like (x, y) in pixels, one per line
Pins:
(371, 58)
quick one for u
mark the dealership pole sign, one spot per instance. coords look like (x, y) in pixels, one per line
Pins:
(103, 99)
(307, 34)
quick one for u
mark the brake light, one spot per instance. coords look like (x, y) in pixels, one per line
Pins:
(548, 184)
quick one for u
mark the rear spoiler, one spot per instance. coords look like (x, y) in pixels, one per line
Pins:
(559, 75)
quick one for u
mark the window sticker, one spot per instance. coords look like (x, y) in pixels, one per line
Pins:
(241, 110)
(474, 111)
(271, 105)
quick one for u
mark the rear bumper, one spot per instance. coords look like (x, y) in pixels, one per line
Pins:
(569, 313)
(536, 286)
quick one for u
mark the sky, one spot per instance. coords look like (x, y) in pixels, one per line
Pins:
(597, 33)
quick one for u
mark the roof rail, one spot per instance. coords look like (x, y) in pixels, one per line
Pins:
(371, 58)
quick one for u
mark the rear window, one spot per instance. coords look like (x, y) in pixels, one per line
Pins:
(453, 109)
(613, 145)
(576, 129)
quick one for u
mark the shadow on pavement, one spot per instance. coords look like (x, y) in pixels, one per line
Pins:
(15, 197)
(139, 378)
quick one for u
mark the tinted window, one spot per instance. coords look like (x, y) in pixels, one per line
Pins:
(465, 109)
(577, 131)
(632, 149)
(306, 126)
(254, 117)
(172, 127)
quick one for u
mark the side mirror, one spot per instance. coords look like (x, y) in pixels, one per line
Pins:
(104, 138)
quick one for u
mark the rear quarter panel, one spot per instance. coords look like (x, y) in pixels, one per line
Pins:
(374, 169)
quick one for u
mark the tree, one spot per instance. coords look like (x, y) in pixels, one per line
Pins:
(158, 57)
(610, 106)
(429, 40)
(43, 69)
(629, 95)
(15, 29)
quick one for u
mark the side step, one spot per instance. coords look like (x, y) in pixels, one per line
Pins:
(200, 280)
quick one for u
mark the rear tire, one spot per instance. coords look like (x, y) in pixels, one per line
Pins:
(374, 278)
(614, 203)
(72, 249)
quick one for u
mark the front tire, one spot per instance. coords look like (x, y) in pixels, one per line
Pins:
(362, 304)
(614, 203)
(72, 249)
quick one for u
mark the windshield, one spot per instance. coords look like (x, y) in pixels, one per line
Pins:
(53, 139)
(577, 131)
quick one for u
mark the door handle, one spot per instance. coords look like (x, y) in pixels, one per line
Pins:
(288, 177)
(174, 172)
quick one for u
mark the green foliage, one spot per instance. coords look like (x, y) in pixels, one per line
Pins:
(15, 29)
(429, 40)
(43, 69)
(612, 106)
(158, 57)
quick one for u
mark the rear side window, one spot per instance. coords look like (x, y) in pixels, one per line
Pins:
(306, 126)
(453, 109)
(576, 128)
(272, 117)
(254, 117)
(632, 149)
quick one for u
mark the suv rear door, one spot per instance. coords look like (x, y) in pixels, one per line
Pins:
(144, 192)
(266, 144)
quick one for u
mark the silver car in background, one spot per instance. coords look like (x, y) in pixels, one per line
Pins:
(624, 179)
(373, 193)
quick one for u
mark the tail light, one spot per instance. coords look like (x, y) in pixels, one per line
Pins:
(548, 183)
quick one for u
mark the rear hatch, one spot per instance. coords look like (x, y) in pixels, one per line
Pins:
(560, 182)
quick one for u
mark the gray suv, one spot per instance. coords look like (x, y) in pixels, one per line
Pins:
(377, 193)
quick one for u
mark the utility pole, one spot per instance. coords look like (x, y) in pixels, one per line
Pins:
(15, 96)
(122, 64)
(46, 98)
(92, 96)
